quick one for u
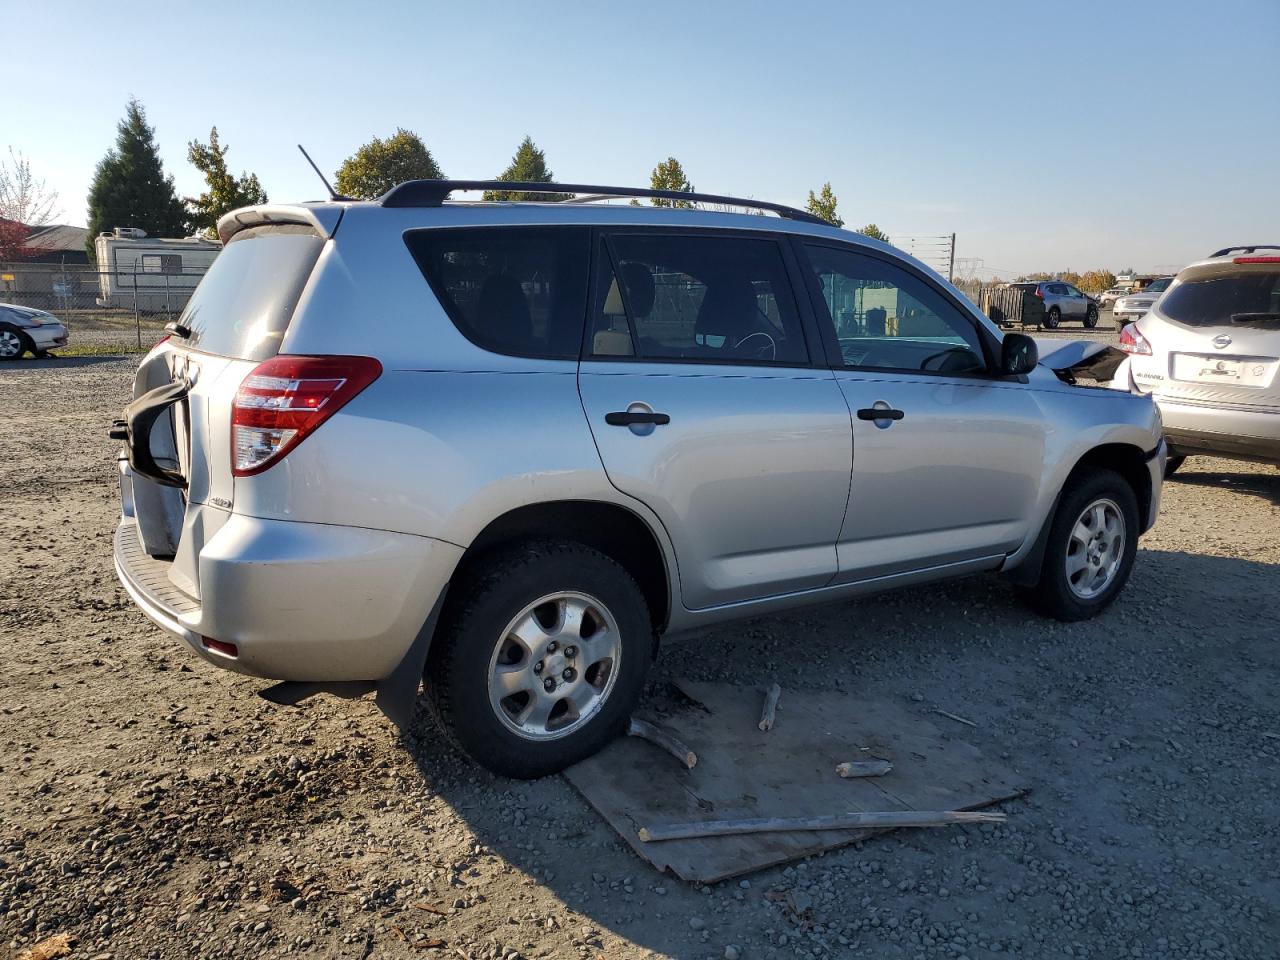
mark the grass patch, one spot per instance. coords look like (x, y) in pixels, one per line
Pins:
(99, 350)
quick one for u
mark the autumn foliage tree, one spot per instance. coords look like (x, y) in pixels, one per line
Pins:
(226, 191)
(823, 204)
(670, 175)
(381, 164)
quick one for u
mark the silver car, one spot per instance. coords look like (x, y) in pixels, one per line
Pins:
(502, 448)
(1208, 351)
(28, 330)
(1133, 305)
(1063, 301)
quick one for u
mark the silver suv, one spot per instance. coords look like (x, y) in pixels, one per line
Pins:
(1062, 301)
(503, 447)
(1208, 351)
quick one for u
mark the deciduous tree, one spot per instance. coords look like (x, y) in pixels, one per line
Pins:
(529, 165)
(130, 187)
(874, 232)
(24, 198)
(226, 192)
(381, 164)
(670, 175)
(823, 205)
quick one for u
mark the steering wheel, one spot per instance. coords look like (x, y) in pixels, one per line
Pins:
(766, 351)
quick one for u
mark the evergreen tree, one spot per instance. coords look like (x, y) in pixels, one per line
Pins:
(824, 205)
(381, 164)
(669, 175)
(528, 165)
(225, 193)
(130, 188)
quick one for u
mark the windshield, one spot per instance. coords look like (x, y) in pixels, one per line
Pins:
(243, 306)
(1222, 300)
(1159, 286)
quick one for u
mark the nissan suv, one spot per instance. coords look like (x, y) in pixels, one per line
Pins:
(1208, 351)
(499, 449)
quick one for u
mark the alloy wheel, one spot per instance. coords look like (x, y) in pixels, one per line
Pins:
(1095, 549)
(554, 665)
(10, 345)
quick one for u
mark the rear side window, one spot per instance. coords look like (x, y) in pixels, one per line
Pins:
(243, 306)
(513, 290)
(1251, 296)
(701, 299)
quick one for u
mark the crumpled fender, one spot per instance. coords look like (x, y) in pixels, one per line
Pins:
(1088, 359)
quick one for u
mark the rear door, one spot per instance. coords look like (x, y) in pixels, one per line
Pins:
(947, 459)
(698, 384)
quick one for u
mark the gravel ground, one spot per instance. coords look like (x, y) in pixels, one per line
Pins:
(152, 807)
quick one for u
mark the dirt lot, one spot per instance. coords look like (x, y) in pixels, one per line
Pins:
(153, 807)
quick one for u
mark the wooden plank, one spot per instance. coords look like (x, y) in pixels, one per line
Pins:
(790, 772)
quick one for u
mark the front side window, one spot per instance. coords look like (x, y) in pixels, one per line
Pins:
(707, 299)
(513, 290)
(888, 318)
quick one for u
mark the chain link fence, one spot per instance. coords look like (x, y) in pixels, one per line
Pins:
(105, 311)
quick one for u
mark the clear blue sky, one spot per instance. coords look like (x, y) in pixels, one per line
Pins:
(1046, 135)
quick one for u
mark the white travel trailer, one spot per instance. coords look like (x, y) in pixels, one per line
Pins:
(156, 275)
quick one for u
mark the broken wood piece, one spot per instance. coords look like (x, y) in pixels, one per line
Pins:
(863, 768)
(770, 707)
(660, 738)
(840, 821)
(952, 716)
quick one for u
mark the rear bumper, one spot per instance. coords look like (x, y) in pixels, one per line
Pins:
(1232, 430)
(300, 601)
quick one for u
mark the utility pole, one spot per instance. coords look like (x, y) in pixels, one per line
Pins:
(951, 267)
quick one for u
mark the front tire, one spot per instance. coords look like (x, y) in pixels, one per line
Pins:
(1052, 318)
(1091, 547)
(541, 660)
(14, 343)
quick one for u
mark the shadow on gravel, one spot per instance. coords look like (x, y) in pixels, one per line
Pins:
(972, 643)
(63, 363)
(1262, 485)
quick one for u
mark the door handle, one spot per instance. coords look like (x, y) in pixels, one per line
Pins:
(880, 413)
(626, 418)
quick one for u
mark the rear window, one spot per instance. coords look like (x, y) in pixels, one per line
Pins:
(243, 306)
(513, 290)
(1252, 296)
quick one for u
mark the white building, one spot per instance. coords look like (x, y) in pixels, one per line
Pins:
(154, 274)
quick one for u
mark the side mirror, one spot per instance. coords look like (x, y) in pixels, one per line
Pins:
(1018, 354)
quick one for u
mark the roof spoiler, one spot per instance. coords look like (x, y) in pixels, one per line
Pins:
(433, 193)
(1249, 249)
(323, 218)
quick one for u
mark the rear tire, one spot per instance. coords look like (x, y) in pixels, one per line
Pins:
(14, 343)
(1091, 317)
(1085, 565)
(1052, 318)
(541, 660)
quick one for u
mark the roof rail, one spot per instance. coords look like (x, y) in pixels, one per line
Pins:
(1249, 249)
(432, 193)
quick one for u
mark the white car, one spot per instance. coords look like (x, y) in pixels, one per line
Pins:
(1107, 297)
(1134, 305)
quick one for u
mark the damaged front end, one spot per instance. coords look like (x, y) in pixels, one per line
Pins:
(1076, 360)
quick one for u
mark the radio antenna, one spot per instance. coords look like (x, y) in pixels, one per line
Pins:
(333, 194)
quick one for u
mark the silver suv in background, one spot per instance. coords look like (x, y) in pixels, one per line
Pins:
(1208, 351)
(1062, 301)
(1133, 305)
(502, 448)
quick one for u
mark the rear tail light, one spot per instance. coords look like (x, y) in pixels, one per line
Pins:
(1132, 340)
(284, 399)
(1039, 293)
(1256, 260)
